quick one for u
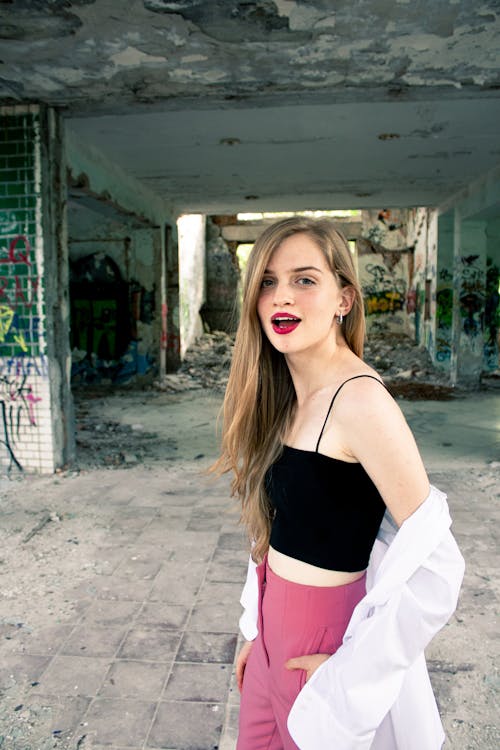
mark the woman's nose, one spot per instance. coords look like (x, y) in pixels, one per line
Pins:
(283, 295)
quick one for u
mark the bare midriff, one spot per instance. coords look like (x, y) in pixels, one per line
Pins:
(308, 575)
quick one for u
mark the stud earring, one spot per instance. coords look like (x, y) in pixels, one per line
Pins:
(340, 319)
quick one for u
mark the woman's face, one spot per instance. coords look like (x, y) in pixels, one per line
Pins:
(299, 297)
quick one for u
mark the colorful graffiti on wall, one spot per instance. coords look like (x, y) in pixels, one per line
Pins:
(472, 295)
(23, 364)
(385, 290)
(20, 356)
(19, 322)
(17, 400)
(444, 316)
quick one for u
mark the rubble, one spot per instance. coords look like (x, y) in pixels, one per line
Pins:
(206, 365)
(406, 368)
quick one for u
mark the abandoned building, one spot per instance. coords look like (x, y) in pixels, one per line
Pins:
(139, 150)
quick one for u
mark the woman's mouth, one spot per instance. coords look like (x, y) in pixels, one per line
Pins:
(284, 323)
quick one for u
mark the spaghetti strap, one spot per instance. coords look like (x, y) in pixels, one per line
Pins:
(354, 377)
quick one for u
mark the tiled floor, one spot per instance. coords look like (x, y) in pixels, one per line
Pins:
(136, 651)
(146, 660)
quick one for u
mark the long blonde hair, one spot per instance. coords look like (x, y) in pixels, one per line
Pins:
(260, 398)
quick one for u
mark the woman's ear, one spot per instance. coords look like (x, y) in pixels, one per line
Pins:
(347, 299)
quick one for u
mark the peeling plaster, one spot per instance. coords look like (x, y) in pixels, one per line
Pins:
(236, 49)
(131, 56)
(303, 18)
(188, 59)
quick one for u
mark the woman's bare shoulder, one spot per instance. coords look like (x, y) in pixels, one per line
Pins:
(364, 393)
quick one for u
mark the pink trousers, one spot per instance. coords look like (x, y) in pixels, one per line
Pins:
(294, 620)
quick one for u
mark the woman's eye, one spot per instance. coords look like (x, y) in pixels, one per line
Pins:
(266, 283)
(305, 281)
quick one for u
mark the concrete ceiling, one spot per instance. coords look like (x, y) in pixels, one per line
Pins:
(225, 106)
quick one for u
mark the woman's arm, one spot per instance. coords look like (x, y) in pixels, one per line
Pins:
(374, 432)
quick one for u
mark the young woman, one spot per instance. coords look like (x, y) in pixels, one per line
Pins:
(338, 608)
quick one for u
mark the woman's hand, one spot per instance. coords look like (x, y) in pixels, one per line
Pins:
(308, 663)
(241, 663)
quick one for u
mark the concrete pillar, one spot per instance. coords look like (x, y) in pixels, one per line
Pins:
(36, 414)
(444, 292)
(492, 302)
(191, 229)
(171, 314)
(469, 286)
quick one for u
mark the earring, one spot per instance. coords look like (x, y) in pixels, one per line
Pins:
(340, 319)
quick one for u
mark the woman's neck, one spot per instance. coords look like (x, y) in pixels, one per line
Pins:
(313, 371)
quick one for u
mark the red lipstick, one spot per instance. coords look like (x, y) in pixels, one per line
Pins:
(284, 322)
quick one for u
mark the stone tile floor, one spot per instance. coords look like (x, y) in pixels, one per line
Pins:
(145, 659)
(118, 619)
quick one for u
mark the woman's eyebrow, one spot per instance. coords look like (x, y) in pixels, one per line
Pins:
(307, 268)
(297, 270)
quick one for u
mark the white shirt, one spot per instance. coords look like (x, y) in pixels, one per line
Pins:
(374, 692)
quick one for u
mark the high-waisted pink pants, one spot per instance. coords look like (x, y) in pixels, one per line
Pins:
(294, 620)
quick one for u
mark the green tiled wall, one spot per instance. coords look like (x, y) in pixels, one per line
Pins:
(19, 275)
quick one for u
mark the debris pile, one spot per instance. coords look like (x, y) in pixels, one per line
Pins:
(206, 365)
(405, 367)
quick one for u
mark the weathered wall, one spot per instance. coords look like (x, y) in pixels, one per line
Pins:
(220, 311)
(94, 176)
(37, 431)
(115, 318)
(425, 281)
(385, 267)
(468, 311)
(192, 276)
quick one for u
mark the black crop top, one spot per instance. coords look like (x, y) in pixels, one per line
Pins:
(327, 511)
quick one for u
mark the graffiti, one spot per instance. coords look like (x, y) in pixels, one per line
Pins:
(383, 280)
(443, 349)
(384, 302)
(384, 292)
(6, 317)
(8, 222)
(412, 299)
(385, 217)
(19, 328)
(444, 320)
(491, 315)
(21, 257)
(173, 343)
(471, 298)
(445, 275)
(16, 400)
(21, 287)
(21, 366)
(444, 303)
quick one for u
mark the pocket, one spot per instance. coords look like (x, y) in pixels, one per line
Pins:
(331, 639)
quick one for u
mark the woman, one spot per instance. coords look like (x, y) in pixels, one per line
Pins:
(319, 451)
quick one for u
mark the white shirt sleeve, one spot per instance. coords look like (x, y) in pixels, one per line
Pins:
(347, 698)
(250, 602)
